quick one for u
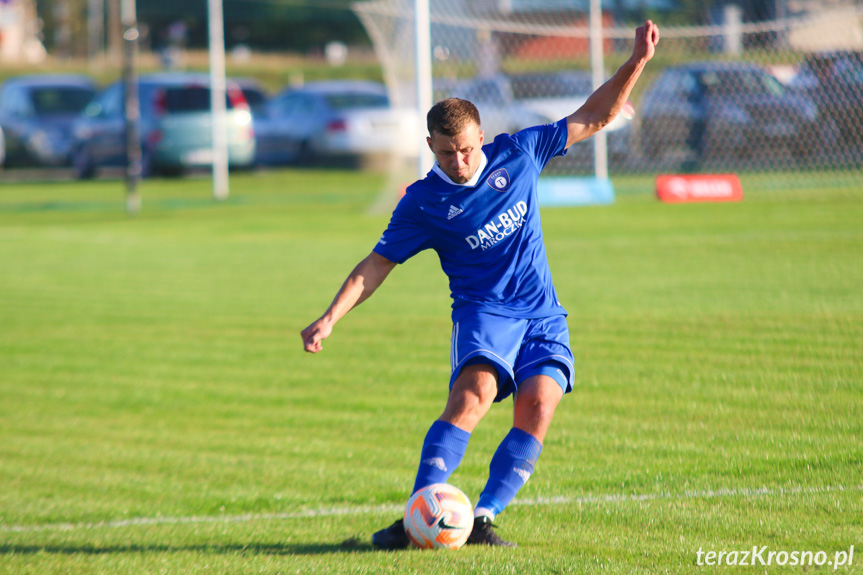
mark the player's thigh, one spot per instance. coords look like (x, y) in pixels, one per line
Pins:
(491, 340)
(471, 395)
(546, 350)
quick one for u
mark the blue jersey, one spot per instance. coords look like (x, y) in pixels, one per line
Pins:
(488, 236)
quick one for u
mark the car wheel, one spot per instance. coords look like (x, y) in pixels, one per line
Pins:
(305, 155)
(850, 134)
(146, 163)
(169, 171)
(83, 164)
(642, 142)
(830, 138)
(652, 148)
(803, 145)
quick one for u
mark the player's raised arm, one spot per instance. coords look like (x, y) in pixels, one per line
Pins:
(606, 102)
(366, 277)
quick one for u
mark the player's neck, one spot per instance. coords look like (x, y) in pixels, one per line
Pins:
(483, 162)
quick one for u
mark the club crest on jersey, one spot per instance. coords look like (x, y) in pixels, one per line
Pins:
(499, 180)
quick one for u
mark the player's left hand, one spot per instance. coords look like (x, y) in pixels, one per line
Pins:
(313, 335)
(646, 38)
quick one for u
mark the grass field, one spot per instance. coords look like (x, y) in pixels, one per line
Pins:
(159, 416)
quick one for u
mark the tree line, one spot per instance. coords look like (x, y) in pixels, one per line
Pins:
(270, 25)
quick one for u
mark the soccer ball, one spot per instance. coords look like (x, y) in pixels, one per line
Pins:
(439, 516)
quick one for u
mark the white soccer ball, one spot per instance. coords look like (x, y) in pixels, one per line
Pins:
(439, 516)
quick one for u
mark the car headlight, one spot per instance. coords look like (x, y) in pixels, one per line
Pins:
(242, 117)
(40, 140)
(83, 133)
(809, 111)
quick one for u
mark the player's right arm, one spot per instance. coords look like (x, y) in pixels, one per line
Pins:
(607, 101)
(361, 283)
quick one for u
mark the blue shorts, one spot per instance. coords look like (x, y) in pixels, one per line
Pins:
(515, 346)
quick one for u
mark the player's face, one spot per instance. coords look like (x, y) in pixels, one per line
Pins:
(459, 156)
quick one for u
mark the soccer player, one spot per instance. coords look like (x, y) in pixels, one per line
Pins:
(477, 208)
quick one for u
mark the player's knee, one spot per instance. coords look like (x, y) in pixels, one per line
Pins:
(470, 400)
(536, 409)
(537, 400)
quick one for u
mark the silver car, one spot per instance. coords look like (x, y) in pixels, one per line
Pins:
(341, 120)
(176, 127)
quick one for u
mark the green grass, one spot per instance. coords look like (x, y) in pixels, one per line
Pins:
(159, 416)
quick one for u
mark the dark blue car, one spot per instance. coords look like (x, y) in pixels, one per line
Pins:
(725, 111)
(36, 116)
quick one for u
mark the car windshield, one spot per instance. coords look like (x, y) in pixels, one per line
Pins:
(352, 100)
(255, 98)
(850, 71)
(60, 99)
(741, 82)
(551, 86)
(189, 99)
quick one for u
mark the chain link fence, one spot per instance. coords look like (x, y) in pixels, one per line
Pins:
(782, 97)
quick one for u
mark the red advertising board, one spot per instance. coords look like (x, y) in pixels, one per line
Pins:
(678, 188)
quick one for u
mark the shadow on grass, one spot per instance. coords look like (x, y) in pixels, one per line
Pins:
(347, 546)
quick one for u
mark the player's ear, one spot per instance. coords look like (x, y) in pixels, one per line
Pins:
(428, 141)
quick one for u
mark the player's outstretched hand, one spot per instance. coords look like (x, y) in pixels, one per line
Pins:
(646, 38)
(313, 335)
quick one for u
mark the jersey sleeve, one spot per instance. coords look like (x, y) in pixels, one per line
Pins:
(543, 142)
(404, 237)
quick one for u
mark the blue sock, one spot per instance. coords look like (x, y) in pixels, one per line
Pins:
(510, 469)
(443, 449)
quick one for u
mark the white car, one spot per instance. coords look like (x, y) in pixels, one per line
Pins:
(341, 120)
(499, 112)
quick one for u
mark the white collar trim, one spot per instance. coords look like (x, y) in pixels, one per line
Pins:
(483, 162)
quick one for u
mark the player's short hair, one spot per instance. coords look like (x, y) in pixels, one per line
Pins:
(450, 117)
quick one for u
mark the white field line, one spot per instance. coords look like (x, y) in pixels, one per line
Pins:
(392, 508)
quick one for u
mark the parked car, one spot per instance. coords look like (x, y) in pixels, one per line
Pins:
(834, 81)
(557, 95)
(498, 110)
(725, 110)
(258, 99)
(508, 103)
(175, 124)
(36, 116)
(255, 94)
(335, 120)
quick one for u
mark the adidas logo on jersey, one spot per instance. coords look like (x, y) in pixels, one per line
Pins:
(453, 212)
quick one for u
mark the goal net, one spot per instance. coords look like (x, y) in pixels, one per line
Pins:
(781, 96)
